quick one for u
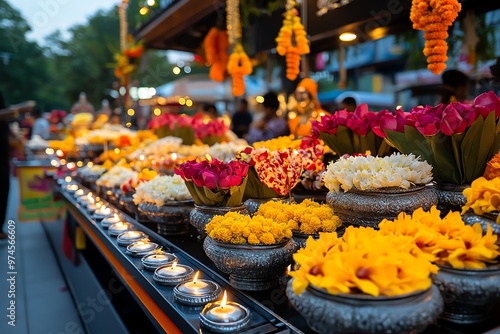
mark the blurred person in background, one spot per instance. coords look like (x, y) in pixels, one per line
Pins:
(41, 126)
(349, 104)
(454, 87)
(7, 114)
(241, 120)
(270, 125)
(210, 110)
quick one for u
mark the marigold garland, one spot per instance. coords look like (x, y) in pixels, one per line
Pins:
(216, 47)
(238, 66)
(434, 17)
(292, 41)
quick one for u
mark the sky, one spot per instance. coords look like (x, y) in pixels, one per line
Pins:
(47, 16)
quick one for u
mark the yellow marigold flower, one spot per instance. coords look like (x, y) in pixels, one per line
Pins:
(252, 239)
(236, 228)
(267, 238)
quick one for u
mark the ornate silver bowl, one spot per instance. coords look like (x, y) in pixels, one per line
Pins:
(471, 218)
(450, 197)
(468, 294)
(251, 267)
(172, 218)
(343, 313)
(201, 215)
(369, 208)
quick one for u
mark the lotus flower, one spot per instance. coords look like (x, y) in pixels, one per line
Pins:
(488, 102)
(452, 121)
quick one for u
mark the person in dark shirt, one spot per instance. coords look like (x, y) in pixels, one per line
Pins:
(240, 123)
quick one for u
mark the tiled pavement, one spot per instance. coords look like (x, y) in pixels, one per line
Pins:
(43, 304)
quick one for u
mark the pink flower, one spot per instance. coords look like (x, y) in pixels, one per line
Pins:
(428, 119)
(452, 121)
(208, 179)
(488, 102)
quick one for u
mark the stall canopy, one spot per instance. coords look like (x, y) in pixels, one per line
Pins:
(182, 24)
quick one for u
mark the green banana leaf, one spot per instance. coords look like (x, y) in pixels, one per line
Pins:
(346, 141)
(211, 140)
(457, 159)
(186, 133)
(256, 189)
(227, 197)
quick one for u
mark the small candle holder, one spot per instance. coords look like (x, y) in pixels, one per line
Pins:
(79, 193)
(157, 259)
(224, 317)
(120, 227)
(173, 274)
(197, 292)
(129, 237)
(71, 188)
(141, 248)
(107, 222)
(93, 207)
(102, 213)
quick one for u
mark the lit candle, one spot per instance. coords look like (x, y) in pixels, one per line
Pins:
(170, 274)
(225, 312)
(102, 212)
(120, 227)
(195, 286)
(142, 247)
(129, 237)
(79, 192)
(197, 291)
(223, 316)
(174, 270)
(107, 222)
(72, 188)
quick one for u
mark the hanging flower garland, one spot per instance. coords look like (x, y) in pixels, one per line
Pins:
(238, 66)
(292, 41)
(127, 60)
(434, 17)
(239, 63)
(216, 46)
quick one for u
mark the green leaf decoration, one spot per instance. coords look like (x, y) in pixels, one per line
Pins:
(227, 197)
(186, 133)
(346, 141)
(212, 140)
(445, 168)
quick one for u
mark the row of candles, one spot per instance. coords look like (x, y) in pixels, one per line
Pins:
(219, 316)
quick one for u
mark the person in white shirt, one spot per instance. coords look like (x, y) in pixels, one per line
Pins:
(41, 126)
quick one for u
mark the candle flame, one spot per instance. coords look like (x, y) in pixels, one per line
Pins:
(98, 204)
(141, 157)
(195, 278)
(174, 156)
(174, 264)
(158, 250)
(224, 300)
(115, 216)
(119, 224)
(91, 200)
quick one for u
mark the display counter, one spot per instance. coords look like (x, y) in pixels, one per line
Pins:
(157, 302)
(145, 306)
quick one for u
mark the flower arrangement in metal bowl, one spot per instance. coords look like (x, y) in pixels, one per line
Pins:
(469, 275)
(215, 186)
(483, 203)
(305, 219)
(166, 201)
(254, 251)
(365, 189)
(364, 282)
